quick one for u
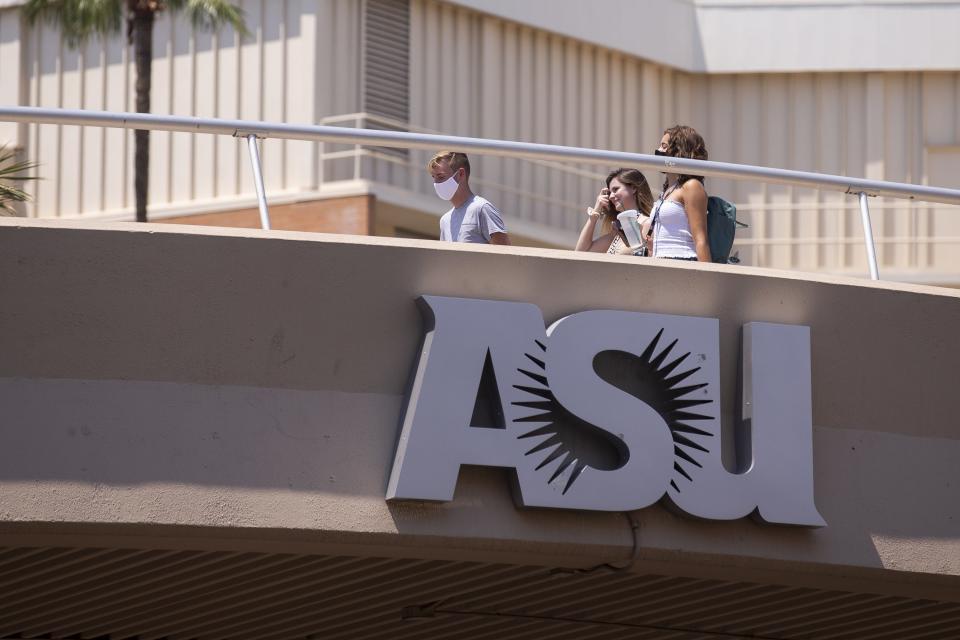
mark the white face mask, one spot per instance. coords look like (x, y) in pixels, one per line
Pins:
(447, 189)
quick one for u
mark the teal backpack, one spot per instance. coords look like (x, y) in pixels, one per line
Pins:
(721, 228)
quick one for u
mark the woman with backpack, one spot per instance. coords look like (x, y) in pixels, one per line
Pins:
(678, 223)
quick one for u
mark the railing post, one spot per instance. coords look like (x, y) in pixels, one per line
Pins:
(868, 236)
(359, 152)
(258, 179)
(322, 161)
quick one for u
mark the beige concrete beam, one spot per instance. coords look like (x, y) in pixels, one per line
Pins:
(157, 382)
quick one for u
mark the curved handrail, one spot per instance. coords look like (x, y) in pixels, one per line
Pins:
(251, 130)
(398, 125)
(529, 150)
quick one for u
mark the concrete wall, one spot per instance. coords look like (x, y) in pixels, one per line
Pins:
(193, 386)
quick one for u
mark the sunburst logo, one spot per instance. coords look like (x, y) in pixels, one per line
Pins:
(608, 410)
(570, 445)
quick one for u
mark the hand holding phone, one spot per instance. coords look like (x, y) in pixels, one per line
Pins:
(603, 201)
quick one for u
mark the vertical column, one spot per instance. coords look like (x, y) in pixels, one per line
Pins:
(13, 80)
(854, 126)
(273, 87)
(205, 77)
(650, 109)
(182, 169)
(876, 140)
(829, 146)
(302, 75)
(417, 81)
(803, 156)
(491, 121)
(777, 111)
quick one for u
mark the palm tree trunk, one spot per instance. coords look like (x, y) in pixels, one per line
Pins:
(142, 32)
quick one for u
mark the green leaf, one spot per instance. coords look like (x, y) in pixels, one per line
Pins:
(211, 14)
(77, 19)
(12, 170)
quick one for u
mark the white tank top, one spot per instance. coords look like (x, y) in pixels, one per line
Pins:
(671, 235)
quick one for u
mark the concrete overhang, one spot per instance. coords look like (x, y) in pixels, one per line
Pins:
(198, 425)
(755, 36)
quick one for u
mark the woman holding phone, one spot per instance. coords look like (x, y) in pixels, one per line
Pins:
(625, 190)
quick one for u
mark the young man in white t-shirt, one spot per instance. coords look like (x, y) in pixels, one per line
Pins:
(472, 218)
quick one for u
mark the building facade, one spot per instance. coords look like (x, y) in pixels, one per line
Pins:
(211, 432)
(860, 89)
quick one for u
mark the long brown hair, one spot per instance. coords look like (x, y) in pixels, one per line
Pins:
(634, 179)
(685, 142)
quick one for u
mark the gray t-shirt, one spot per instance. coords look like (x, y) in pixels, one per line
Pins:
(473, 221)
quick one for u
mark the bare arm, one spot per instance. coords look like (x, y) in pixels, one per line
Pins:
(586, 242)
(695, 203)
(500, 238)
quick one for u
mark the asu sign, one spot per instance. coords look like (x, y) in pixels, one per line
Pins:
(607, 411)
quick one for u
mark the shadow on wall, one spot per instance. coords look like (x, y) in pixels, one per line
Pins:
(126, 433)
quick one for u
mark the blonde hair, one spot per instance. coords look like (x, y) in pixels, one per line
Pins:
(454, 159)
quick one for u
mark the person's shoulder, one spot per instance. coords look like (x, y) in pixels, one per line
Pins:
(481, 202)
(691, 191)
(692, 187)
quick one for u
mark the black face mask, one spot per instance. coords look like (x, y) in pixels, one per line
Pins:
(658, 152)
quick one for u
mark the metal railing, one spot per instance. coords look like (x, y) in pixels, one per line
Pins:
(359, 119)
(356, 156)
(532, 196)
(252, 131)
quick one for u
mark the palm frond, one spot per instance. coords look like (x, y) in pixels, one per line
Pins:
(212, 14)
(12, 193)
(77, 19)
(12, 170)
